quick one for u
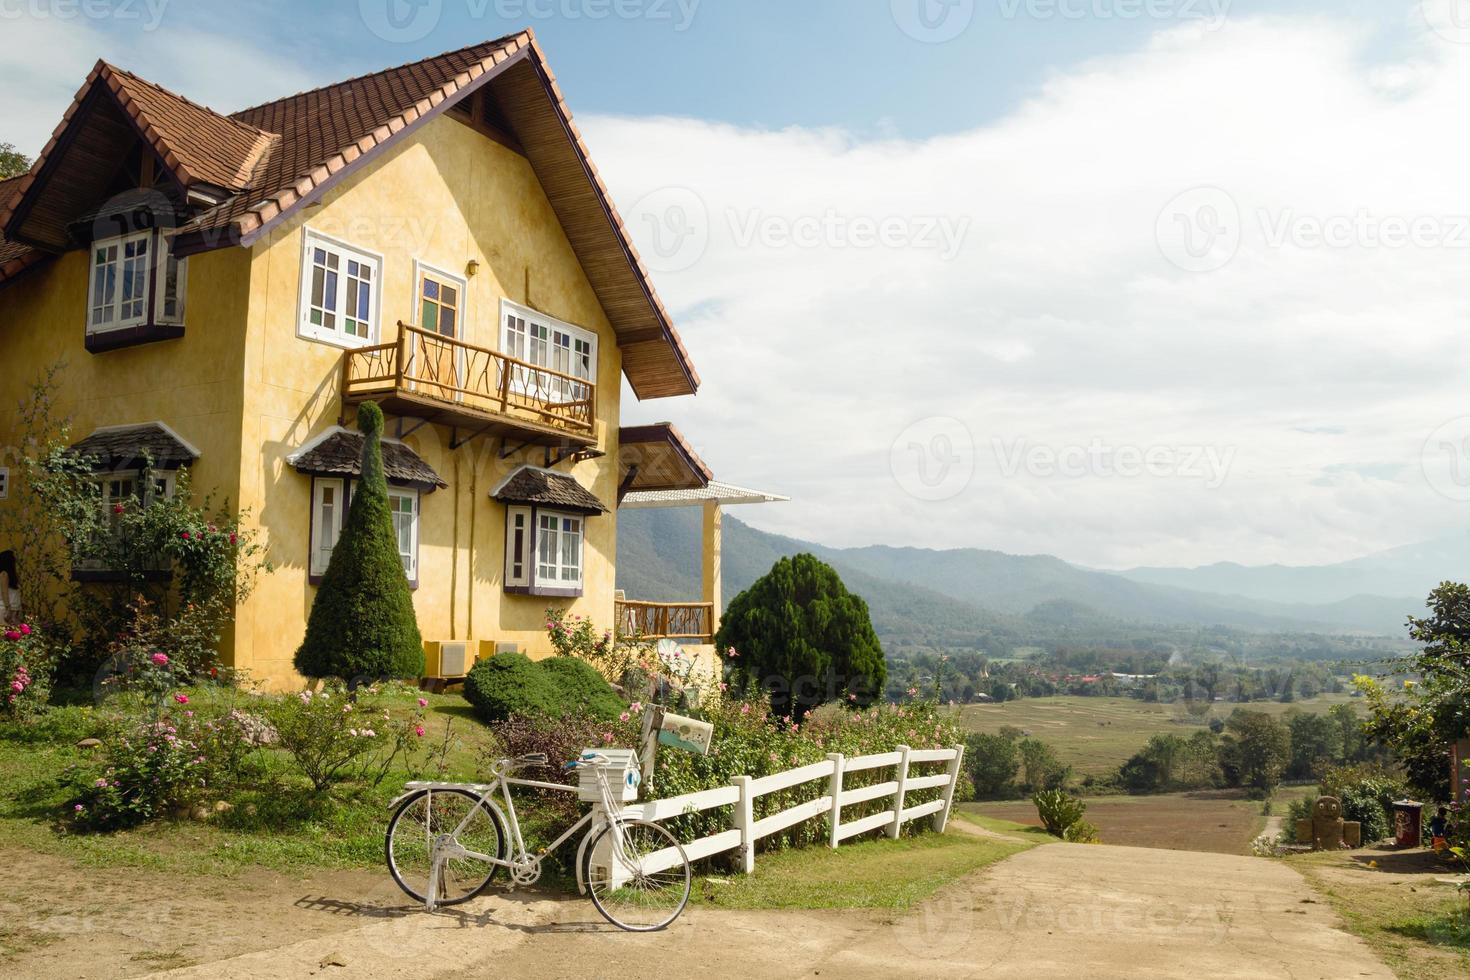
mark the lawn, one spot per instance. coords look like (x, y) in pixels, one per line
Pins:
(1219, 821)
(1395, 901)
(1097, 735)
(887, 874)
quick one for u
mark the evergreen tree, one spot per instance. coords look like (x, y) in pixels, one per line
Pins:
(802, 637)
(362, 623)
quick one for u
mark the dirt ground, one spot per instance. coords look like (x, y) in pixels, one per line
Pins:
(1055, 911)
(1218, 821)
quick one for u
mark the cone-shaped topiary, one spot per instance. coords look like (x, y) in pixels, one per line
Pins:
(362, 623)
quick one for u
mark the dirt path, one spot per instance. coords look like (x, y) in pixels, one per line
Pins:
(1059, 910)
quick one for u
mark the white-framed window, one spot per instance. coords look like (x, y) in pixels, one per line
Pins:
(404, 506)
(4, 482)
(340, 290)
(546, 342)
(330, 499)
(328, 512)
(134, 279)
(518, 547)
(119, 491)
(543, 550)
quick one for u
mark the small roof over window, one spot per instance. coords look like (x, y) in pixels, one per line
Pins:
(547, 488)
(124, 447)
(338, 452)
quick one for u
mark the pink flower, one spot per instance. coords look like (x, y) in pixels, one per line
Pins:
(731, 652)
(78, 808)
(12, 635)
(181, 698)
(24, 629)
(159, 658)
(607, 738)
(423, 702)
(636, 707)
(418, 730)
(624, 716)
(745, 709)
(101, 784)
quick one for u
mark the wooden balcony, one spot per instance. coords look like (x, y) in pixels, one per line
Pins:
(666, 620)
(426, 375)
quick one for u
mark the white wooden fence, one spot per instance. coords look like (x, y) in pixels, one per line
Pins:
(745, 790)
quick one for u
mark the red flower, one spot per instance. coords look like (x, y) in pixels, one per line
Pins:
(117, 508)
(232, 537)
(186, 535)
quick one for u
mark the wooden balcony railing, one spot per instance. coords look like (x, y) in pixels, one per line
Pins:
(444, 375)
(666, 620)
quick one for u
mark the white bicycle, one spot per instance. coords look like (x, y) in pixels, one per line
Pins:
(445, 841)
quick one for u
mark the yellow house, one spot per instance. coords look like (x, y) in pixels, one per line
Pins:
(225, 289)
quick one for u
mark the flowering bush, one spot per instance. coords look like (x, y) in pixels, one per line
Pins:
(151, 768)
(625, 660)
(335, 735)
(25, 671)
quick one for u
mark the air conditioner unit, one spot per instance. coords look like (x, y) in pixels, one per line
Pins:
(446, 658)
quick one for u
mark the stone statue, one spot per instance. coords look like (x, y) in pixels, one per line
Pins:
(1326, 830)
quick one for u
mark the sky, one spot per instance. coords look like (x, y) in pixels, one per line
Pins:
(1160, 282)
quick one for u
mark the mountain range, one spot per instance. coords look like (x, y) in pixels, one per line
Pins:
(952, 596)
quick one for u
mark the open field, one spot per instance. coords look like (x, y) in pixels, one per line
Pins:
(1217, 821)
(1398, 903)
(1097, 735)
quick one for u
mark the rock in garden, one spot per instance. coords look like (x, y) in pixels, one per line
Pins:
(90, 743)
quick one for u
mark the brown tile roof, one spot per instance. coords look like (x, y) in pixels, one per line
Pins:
(664, 458)
(196, 143)
(281, 155)
(533, 485)
(117, 447)
(15, 257)
(340, 454)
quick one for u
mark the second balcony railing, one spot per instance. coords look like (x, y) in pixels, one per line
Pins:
(468, 380)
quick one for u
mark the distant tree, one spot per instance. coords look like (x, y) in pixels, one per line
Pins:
(362, 623)
(993, 762)
(1255, 751)
(12, 161)
(803, 638)
(1316, 742)
(1040, 767)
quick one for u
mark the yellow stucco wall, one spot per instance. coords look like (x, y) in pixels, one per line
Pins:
(244, 388)
(192, 383)
(445, 198)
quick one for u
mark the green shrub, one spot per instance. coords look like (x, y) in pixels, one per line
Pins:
(151, 768)
(510, 685)
(333, 735)
(362, 622)
(1059, 811)
(1367, 793)
(993, 763)
(803, 638)
(579, 688)
(1081, 832)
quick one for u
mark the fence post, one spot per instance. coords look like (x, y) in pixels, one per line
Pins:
(903, 778)
(745, 823)
(834, 790)
(942, 817)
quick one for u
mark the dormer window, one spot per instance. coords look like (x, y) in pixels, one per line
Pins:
(135, 291)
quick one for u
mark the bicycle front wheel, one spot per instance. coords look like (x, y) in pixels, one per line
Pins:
(638, 875)
(429, 814)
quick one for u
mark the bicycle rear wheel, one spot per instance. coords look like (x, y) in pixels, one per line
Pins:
(638, 875)
(425, 816)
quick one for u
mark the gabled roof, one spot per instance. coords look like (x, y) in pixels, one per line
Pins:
(338, 452)
(121, 447)
(266, 162)
(534, 485)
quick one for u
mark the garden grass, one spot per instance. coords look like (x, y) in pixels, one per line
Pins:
(1419, 926)
(868, 874)
(1097, 735)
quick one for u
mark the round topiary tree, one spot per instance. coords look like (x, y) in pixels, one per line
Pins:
(802, 637)
(362, 623)
(511, 685)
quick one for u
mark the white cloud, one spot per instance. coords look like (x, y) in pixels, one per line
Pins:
(1319, 370)
(47, 58)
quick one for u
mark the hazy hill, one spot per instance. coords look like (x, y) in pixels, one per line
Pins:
(968, 591)
(1408, 571)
